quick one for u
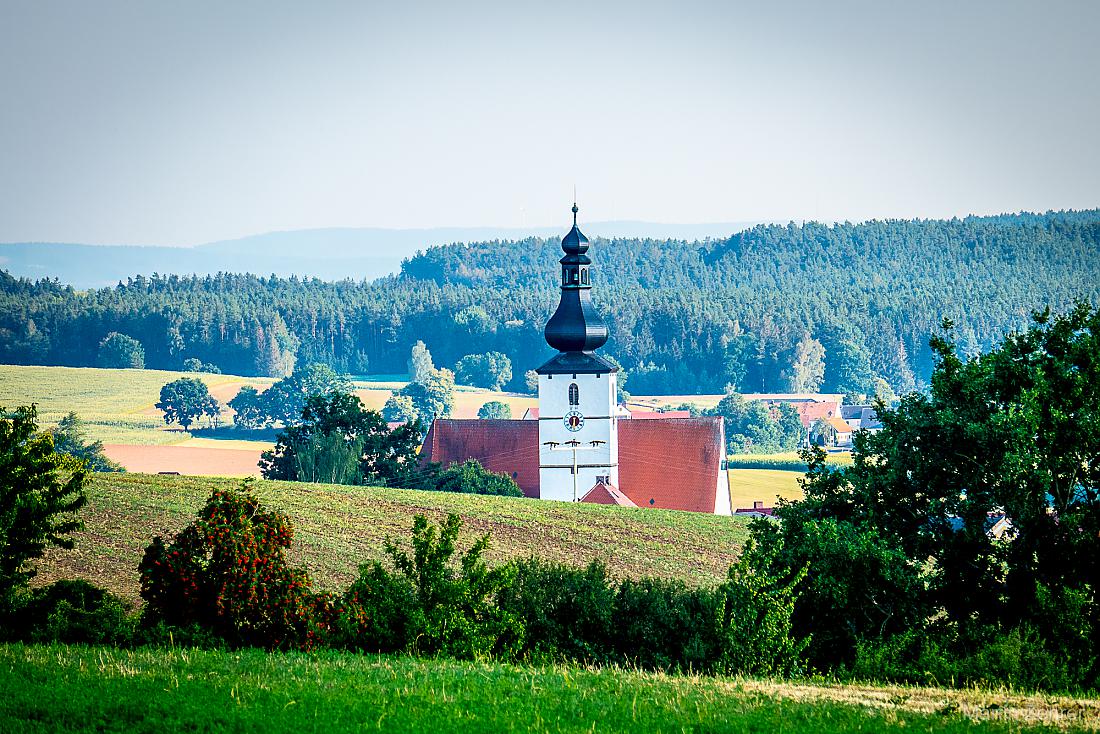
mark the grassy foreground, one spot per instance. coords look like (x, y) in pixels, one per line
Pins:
(338, 527)
(80, 689)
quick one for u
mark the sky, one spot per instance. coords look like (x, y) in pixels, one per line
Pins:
(177, 123)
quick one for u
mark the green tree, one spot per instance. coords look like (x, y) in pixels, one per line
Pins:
(470, 477)
(399, 409)
(41, 492)
(531, 380)
(334, 427)
(186, 399)
(420, 364)
(807, 370)
(249, 409)
(621, 395)
(434, 397)
(121, 351)
(494, 410)
(847, 364)
(1014, 432)
(285, 400)
(753, 426)
(492, 370)
(70, 438)
(193, 364)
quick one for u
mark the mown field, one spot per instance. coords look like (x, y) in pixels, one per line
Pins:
(82, 689)
(338, 527)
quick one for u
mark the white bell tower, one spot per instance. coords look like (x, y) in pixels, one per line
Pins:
(578, 438)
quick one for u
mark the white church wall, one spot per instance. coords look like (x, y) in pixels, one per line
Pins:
(596, 403)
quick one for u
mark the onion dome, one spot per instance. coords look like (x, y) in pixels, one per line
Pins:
(575, 325)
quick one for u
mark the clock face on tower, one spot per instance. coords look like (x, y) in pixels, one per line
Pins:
(574, 421)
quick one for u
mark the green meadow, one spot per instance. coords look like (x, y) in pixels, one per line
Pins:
(88, 689)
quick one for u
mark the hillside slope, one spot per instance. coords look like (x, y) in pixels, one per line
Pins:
(339, 527)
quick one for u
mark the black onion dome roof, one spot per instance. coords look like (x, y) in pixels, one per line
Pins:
(576, 326)
(574, 243)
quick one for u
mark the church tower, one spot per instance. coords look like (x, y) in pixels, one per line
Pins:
(578, 440)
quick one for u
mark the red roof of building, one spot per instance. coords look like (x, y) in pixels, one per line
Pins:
(669, 463)
(506, 446)
(812, 411)
(839, 426)
(607, 494)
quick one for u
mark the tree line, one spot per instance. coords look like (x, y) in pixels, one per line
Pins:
(772, 309)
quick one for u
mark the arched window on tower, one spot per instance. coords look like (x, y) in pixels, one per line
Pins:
(584, 277)
(574, 394)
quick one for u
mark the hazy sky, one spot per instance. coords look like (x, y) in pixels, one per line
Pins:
(184, 122)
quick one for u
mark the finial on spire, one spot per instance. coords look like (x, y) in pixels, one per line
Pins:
(575, 210)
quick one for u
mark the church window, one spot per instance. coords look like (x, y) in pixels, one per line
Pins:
(584, 277)
(574, 394)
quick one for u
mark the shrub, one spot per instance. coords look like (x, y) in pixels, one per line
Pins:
(664, 625)
(227, 572)
(470, 477)
(1017, 657)
(428, 604)
(73, 612)
(755, 606)
(567, 612)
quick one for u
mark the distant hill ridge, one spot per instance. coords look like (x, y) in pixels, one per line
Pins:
(329, 254)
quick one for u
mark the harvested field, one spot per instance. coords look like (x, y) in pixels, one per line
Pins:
(188, 460)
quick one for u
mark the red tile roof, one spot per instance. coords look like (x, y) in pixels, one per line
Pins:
(507, 446)
(672, 463)
(810, 411)
(607, 494)
(839, 426)
(669, 463)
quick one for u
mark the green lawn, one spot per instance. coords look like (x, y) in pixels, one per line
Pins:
(339, 527)
(80, 689)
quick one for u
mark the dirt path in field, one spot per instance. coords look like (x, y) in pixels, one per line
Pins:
(1025, 708)
(206, 462)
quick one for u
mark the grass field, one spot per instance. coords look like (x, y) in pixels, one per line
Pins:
(749, 485)
(116, 404)
(339, 527)
(82, 689)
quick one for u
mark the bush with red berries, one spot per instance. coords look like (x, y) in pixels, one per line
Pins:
(227, 573)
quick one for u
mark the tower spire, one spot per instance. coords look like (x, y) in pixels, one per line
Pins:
(575, 326)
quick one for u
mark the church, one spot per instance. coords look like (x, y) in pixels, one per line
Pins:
(579, 445)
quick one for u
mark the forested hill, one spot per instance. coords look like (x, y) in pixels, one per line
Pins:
(756, 310)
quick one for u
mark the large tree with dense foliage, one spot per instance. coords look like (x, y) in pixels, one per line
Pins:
(903, 537)
(492, 370)
(337, 440)
(41, 492)
(119, 350)
(185, 400)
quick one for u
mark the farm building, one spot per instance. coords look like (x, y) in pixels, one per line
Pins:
(579, 444)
